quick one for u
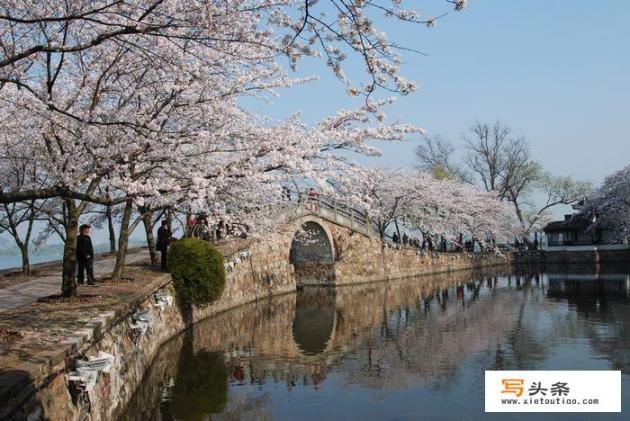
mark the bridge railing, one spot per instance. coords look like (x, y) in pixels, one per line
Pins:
(338, 211)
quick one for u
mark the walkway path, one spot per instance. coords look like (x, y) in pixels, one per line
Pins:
(28, 292)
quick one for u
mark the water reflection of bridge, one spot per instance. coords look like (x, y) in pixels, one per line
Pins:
(318, 323)
(397, 333)
(413, 328)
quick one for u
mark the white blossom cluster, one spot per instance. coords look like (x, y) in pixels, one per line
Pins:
(435, 207)
(143, 99)
(610, 204)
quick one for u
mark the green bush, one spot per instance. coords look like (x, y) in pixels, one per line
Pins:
(197, 271)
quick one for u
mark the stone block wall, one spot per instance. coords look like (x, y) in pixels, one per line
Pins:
(261, 270)
(360, 259)
(588, 256)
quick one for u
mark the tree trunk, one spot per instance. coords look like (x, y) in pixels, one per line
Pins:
(68, 280)
(110, 226)
(525, 236)
(123, 241)
(26, 266)
(12, 229)
(147, 221)
(381, 230)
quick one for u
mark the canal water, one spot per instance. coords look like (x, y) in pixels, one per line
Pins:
(398, 350)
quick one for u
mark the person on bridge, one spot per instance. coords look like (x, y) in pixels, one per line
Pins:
(85, 256)
(164, 236)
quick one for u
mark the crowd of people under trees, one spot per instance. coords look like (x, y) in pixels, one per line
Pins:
(196, 227)
(201, 229)
(442, 244)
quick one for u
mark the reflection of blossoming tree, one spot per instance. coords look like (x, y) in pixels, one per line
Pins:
(430, 348)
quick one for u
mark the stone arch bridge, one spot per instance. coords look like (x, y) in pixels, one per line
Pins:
(322, 242)
(322, 235)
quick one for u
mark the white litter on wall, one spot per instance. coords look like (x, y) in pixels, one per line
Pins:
(239, 353)
(84, 379)
(86, 374)
(163, 301)
(141, 322)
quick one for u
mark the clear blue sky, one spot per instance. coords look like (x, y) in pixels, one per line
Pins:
(557, 72)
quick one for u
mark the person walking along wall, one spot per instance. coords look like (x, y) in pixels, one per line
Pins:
(164, 235)
(85, 256)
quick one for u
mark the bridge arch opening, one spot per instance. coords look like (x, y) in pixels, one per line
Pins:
(314, 321)
(311, 243)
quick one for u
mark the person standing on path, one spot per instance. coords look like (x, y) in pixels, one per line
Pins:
(85, 255)
(164, 236)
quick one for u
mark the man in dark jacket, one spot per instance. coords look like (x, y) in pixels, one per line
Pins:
(164, 235)
(85, 255)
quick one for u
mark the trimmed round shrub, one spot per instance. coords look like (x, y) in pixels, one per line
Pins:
(197, 271)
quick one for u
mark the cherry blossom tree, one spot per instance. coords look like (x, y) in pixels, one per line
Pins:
(387, 196)
(502, 163)
(141, 100)
(451, 208)
(610, 204)
(18, 218)
(420, 201)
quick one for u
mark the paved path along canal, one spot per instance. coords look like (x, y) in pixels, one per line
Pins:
(28, 292)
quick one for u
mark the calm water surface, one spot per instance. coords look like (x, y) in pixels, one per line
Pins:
(414, 349)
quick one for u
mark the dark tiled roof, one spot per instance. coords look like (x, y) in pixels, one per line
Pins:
(555, 226)
(575, 222)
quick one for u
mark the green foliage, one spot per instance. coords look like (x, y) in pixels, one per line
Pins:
(197, 271)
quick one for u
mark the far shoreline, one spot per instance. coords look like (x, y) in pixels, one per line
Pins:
(49, 264)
